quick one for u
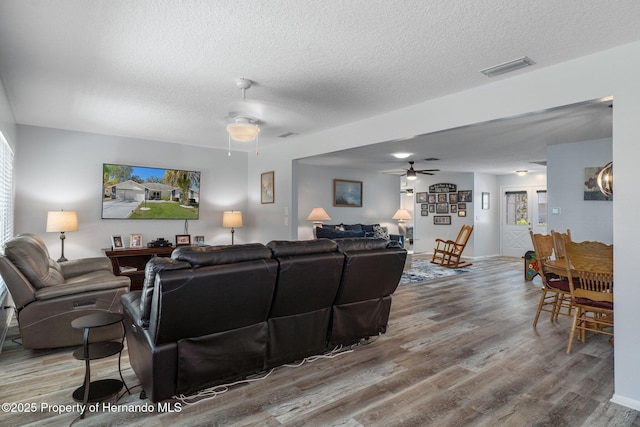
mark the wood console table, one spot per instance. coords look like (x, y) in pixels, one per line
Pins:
(131, 262)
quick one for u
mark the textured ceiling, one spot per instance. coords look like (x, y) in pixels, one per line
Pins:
(166, 69)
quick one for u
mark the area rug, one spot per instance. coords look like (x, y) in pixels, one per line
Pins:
(422, 271)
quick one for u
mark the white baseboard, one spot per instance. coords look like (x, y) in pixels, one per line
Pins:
(625, 401)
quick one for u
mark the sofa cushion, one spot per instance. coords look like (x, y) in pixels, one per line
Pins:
(352, 227)
(282, 248)
(200, 256)
(30, 255)
(328, 233)
(380, 232)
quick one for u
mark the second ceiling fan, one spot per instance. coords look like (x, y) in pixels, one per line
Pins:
(412, 173)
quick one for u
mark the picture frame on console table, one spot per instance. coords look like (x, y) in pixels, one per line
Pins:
(267, 188)
(199, 240)
(183, 240)
(117, 242)
(135, 240)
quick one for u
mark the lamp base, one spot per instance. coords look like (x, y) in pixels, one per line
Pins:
(62, 258)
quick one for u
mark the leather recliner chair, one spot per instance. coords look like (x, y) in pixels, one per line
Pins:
(48, 295)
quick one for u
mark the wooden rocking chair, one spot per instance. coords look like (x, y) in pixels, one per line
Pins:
(447, 253)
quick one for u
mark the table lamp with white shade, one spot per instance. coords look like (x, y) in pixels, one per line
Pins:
(402, 215)
(233, 220)
(62, 221)
(318, 215)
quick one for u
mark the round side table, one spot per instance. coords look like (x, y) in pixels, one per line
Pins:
(97, 391)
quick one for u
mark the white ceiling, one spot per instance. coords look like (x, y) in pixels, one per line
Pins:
(166, 69)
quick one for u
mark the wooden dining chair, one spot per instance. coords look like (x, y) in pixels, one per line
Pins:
(448, 253)
(591, 265)
(555, 297)
(558, 243)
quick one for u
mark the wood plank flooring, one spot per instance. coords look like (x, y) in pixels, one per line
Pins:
(459, 351)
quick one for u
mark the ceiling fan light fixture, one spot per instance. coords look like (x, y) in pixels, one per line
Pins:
(243, 130)
(522, 172)
(411, 175)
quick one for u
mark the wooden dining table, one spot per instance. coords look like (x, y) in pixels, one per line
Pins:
(556, 266)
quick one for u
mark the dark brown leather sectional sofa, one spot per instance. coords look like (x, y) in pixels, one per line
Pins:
(210, 315)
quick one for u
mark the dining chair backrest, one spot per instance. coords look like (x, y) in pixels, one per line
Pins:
(559, 240)
(543, 247)
(590, 263)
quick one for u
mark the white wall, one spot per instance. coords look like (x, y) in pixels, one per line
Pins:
(609, 73)
(7, 120)
(380, 197)
(59, 169)
(587, 219)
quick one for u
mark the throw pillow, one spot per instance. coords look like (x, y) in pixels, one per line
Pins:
(380, 232)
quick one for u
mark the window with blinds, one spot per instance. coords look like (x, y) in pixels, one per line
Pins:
(6, 193)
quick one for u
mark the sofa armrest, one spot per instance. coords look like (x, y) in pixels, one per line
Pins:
(82, 287)
(77, 267)
(131, 304)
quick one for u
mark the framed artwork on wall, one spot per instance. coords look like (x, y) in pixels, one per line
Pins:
(442, 208)
(347, 193)
(453, 198)
(453, 208)
(464, 196)
(421, 197)
(462, 213)
(442, 220)
(432, 208)
(432, 198)
(424, 212)
(267, 188)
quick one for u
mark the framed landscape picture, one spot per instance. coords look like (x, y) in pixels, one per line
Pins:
(347, 193)
(267, 188)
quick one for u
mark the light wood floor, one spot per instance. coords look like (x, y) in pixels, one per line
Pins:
(459, 351)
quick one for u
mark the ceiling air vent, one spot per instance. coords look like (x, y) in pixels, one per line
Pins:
(507, 67)
(287, 134)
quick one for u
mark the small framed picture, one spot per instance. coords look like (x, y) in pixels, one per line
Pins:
(462, 206)
(183, 240)
(442, 198)
(432, 208)
(432, 198)
(453, 208)
(116, 242)
(453, 198)
(421, 197)
(199, 240)
(135, 240)
(462, 213)
(442, 220)
(424, 212)
(442, 207)
(464, 196)
(267, 188)
(424, 206)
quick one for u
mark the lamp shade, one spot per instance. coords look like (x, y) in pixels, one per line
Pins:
(401, 214)
(232, 219)
(243, 131)
(318, 214)
(61, 221)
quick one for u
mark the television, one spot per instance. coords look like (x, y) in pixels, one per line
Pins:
(137, 192)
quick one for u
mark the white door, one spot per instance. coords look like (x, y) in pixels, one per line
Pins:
(522, 208)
